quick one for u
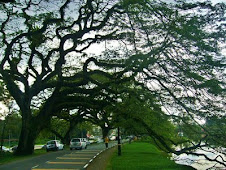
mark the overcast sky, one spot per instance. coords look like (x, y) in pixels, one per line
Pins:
(2, 108)
(216, 1)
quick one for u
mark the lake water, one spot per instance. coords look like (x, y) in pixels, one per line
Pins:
(199, 162)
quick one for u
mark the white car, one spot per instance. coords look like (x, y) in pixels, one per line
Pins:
(78, 143)
(4, 149)
(54, 145)
(85, 140)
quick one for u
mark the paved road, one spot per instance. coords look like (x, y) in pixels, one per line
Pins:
(60, 160)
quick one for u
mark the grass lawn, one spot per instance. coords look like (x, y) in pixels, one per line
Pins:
(7, 157)
(140, 156)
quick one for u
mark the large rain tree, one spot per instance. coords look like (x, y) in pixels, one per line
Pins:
(171, 49)
(43, 47)
(179, 58)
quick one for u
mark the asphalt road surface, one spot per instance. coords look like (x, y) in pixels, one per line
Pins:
(58, 160)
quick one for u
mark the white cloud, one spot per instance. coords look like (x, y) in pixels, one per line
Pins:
(218, 1)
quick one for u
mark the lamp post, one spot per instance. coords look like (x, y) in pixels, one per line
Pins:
(119, 143)
(9, 138)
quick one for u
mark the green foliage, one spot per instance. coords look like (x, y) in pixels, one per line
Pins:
(59, 125)
(13, 126)
(191, 132)
(44, 136)
(167, 49)
(37, 38)
(194, 75)
(80, 130)
(126, 3)
(216, 130)
(213, 86)
(139, 108)
(4, 93)
(85, 125)
(1, 92)
(100, 78)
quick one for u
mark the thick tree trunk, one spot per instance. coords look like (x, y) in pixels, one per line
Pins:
(32, 124)
(105, 131)
(31, 127)
(3, 133)
(28, 134)
(67, 138)
(57, 135)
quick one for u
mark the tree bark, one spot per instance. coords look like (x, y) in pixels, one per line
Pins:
(31, 127)
(28, 135)
(105, 131)
(57, 135)
(3, 133)
(67, 138)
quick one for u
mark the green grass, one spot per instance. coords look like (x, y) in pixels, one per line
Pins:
(141, 156)
(7, 157)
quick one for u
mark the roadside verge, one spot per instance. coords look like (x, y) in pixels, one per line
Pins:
(100, 161)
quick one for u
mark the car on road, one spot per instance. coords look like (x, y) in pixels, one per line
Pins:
(85, 140)
(88, 142)
(54, 145)
(78, 143)
(14, 148)
(4, 149)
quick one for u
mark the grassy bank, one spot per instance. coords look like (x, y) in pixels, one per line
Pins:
(140, 156)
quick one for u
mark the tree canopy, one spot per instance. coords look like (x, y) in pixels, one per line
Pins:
(76, 54)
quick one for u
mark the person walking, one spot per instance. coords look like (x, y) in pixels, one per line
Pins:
(106, 140)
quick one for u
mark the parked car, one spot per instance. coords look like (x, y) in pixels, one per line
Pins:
(85, 140)
(44, 147)
(78, 143)
(88, 142)
(4, 149)
(54, 145)
(92, 141)
(14, 148)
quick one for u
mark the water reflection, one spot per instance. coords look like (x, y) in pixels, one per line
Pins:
(199, 162)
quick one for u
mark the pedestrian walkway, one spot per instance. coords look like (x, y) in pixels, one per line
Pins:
(101, 161)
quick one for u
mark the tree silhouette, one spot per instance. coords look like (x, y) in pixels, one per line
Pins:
(173, 50)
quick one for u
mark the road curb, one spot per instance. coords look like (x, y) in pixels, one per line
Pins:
(91, 160)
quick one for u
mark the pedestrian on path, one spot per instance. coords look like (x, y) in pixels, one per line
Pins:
(106, 140)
